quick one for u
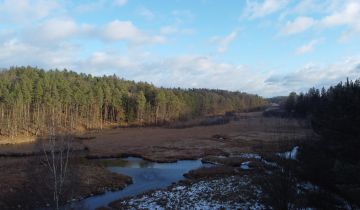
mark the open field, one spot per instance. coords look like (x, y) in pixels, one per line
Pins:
(250, 133)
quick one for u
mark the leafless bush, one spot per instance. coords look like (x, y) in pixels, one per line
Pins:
(56, 159)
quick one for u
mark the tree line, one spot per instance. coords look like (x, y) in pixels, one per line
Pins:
(333, 160)
(30, 98)
(334, 112)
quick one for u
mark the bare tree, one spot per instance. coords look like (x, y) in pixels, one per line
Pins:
(56, 153)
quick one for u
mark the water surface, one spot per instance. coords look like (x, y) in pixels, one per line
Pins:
(146, 176)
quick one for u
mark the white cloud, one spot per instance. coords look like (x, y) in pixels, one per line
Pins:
(353, 32)
(126, 31)
(306, 48)
(7, 34)
(316, 76)
(146, 13)
(331, 14)
(20, 11)
(182, 16)
(169, 29)
(300, 24)
(35, 34)
(192, 71)
(179, 71)
(205, 72)
(255, 9)
(196, 71)
(89, 6)
(349, 14)
(57, 29)
(172, 29)
(100, 63)
(307, 6)
(224, 42)
(16, 53)
(120, 3)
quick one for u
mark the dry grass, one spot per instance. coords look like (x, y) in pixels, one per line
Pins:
(16, 140)
(23, 182)
(32, 148)
(251, 132)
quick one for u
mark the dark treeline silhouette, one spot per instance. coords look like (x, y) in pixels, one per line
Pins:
(28, 96)
(334, 113)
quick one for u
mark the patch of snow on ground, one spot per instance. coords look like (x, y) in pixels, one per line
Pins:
(245, 165)
(221, 157)
(205, 194)
(250, 156)
(307, 186)
(290, 154)
(273, 164)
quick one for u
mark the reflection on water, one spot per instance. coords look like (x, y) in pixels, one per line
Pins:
(145, 164)
(146, 176)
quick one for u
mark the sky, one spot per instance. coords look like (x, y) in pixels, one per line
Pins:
(265, 47)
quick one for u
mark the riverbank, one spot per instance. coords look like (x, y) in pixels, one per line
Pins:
(25, 182)
(255, 183)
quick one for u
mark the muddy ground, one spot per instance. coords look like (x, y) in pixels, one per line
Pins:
(248, 133)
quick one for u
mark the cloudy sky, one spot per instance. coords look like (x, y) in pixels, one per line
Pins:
(268, 47)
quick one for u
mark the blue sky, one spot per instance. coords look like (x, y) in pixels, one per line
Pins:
(268, 47)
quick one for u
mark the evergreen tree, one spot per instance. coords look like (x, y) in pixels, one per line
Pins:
(30, 98)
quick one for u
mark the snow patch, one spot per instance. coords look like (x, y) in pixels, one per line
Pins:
(245, 165)
(250, 156)
(289, 154)
(205, 194)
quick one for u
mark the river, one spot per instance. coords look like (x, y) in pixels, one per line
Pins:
(146, 176)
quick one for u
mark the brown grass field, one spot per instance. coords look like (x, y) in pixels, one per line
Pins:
(249, 133)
